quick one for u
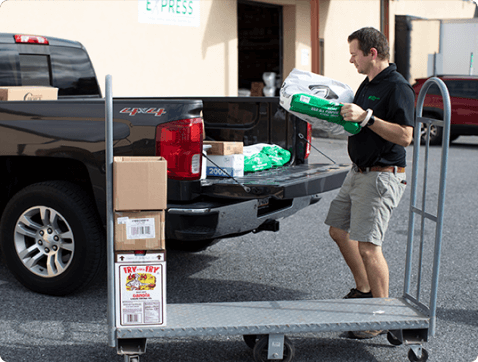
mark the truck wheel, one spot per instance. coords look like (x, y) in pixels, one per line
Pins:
(51, 238)
(436, 133)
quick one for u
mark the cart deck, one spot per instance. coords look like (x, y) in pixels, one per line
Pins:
(278, 317)
(409, 319)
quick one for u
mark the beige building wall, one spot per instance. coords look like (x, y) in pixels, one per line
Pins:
(339, 18)
(171, 60)
(425, 40)
(144, 59)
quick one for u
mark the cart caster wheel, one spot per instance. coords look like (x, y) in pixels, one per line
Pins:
(413, 358)
(393, 340)
(260, 350)
(252, 339)
(128, 358)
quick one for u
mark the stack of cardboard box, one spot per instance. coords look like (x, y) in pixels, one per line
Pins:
(139, 201)
(228, 156)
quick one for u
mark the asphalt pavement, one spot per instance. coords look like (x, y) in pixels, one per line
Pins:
(300, 262)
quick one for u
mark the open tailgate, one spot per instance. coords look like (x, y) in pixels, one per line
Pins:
(282, 183)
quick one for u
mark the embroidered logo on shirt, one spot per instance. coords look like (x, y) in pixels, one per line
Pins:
(373, 98)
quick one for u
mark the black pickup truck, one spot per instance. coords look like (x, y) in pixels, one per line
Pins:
(52, 157)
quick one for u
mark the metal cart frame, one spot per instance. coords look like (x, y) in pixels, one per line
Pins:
(409, 319)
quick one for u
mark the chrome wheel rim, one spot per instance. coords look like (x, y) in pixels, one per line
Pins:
(44, 241)
(433, 131)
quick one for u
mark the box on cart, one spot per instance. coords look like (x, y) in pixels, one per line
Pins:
(139, 230)
(233, 164)
(31, 93)
(140, 280)
(139, 183)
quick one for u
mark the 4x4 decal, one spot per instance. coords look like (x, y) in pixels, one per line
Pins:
(134, 111)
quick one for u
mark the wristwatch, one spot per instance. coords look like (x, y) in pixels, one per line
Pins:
(371, 121)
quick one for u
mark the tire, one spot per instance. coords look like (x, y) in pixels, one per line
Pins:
(260, 350)
(252, 339)
(436, 133)
(393, 340)
(52, 239)
(413, 358)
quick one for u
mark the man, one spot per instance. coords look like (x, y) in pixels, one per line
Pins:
(358, 217)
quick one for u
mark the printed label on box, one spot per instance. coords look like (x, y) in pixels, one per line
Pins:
(141, 295)
(214, 171)
(232, 164)
(140, 258)
(140, 228)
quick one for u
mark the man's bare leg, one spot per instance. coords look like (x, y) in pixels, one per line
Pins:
(351, 253)
(376, 267)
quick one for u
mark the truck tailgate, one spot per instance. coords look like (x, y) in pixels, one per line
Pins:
(281, 183)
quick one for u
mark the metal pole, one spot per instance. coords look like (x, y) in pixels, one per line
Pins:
(471, 63)
(109, 211)
(441, 202)
(413, 198)
(441, 195)
(424, 208)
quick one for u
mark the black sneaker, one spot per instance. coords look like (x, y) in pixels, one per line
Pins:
(355, 293)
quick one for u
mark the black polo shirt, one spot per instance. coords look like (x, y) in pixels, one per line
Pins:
(392, 99)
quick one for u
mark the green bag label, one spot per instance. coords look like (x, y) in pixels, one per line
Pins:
(323, 109)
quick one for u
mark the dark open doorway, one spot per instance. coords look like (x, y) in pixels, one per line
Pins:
(260, 42)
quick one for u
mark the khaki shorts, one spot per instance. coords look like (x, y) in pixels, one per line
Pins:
(365, 203)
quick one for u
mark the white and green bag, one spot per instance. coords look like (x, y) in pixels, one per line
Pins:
(318, 100)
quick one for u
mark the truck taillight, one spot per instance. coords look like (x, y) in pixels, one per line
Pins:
(180, 143)
(309, 138)
(31, 39)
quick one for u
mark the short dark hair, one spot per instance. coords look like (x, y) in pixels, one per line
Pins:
(371, 38)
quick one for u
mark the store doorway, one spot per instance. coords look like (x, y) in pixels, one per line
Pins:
(260, 43)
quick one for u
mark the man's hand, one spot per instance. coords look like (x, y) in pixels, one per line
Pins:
(353, 113)
(401, 135)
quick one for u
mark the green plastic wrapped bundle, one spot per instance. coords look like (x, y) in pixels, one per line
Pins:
(263, 157)
(257, 162)
(277, 155)
(323, 109)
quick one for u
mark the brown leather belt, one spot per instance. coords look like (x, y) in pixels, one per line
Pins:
(379, 169)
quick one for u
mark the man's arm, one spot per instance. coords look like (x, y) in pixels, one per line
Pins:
(396, 133)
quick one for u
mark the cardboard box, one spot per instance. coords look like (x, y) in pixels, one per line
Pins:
(225, 148)
(28, 93)
(256, 89)
(140, 294)
(139, 230)
(139, 183)
(233, 164)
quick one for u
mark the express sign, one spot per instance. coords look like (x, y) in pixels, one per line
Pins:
(169, 12)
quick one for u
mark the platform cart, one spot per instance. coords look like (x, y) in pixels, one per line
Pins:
(409, 320)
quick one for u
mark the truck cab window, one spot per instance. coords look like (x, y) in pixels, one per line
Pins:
(9, 67)
(35, 69)
(73, 74)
